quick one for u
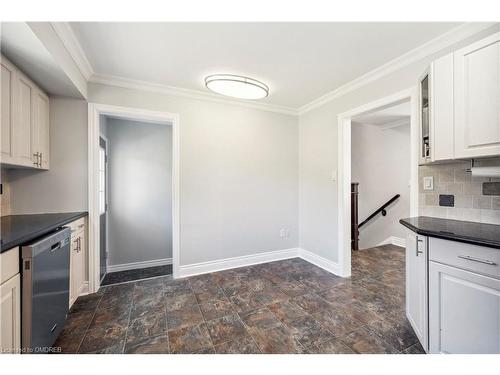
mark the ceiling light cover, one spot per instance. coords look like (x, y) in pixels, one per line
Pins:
(236, 86)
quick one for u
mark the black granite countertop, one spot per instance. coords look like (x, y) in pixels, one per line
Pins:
(455, 230)
(19, 229)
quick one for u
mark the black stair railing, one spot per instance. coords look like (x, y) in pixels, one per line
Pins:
(354, 214)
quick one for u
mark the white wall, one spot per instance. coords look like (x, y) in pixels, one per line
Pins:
(380, 162)
(64, 187)
(139, 191)
(238, 171)
(318, 152)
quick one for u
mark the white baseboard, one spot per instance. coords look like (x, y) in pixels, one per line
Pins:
(224, 264)
(319, 261)
(136, 265)
(393, 240)
(271, 256)
(398, 241)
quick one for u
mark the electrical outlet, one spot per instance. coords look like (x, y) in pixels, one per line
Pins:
(446, 200)
(428, 183)
(284, 233)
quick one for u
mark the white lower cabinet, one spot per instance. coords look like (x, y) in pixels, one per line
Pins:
(10, 302)
(78, 260)
(10, 325)
(464, 311)
(416, 285)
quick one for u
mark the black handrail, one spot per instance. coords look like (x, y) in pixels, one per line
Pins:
(380, 210)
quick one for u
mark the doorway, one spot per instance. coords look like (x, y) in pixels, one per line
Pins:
(380, 156)
(103, 207)
(133, 194)
(344, 166)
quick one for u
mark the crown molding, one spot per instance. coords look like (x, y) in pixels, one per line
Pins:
(434, 45)
(68, 38)
(127, 83)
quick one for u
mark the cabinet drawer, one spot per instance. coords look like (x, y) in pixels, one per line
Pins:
(480, 259)
(9, 263)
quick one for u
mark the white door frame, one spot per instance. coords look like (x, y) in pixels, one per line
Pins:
(344, 168)
(94, 111)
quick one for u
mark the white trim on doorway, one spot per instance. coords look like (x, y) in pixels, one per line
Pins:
(95, 110)
(344, 168)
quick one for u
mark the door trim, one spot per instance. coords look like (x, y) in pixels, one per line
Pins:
(105, 139)
(344, 168)
(171, 119)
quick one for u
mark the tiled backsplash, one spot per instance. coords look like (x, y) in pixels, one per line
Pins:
(470, 203)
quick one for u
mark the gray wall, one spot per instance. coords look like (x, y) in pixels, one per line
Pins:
(318, 151)
(64, 187)
(140, 191)
(380, 162)
(238, 174)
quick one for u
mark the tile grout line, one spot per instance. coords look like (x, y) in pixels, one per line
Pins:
(202, 316)
(128, 320)
(241, 320)
(88, 326)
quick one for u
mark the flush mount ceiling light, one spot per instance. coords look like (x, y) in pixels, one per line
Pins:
(236, 86)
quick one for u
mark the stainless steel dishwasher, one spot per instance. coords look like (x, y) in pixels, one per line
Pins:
(45, 290)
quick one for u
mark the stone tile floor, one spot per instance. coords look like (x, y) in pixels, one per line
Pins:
(288, 306)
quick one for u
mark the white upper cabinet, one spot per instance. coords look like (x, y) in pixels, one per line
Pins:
(442, 108)
(41, 129)
(436, 111)
(477, 98)
(7, 109)
(460, 104)
(24, 120)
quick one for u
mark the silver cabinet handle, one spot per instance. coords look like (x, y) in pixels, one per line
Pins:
(479, 260)
(417, 250)
(37, 160)
(40, 160)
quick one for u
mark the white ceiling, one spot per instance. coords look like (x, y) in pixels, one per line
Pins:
(20, 45)
(299, 61)
(398, 114)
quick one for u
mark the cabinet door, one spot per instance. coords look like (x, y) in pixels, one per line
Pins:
(464, 311)
(7, 110)
(10, 317)
(83, 262)
(416, 285)
(477, 98)
(442, 143)
(73, 271)
(22, 132)
(425, 150)
(77, 266)
(41, 128)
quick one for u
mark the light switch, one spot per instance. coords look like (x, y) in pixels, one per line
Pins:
(429, 183)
